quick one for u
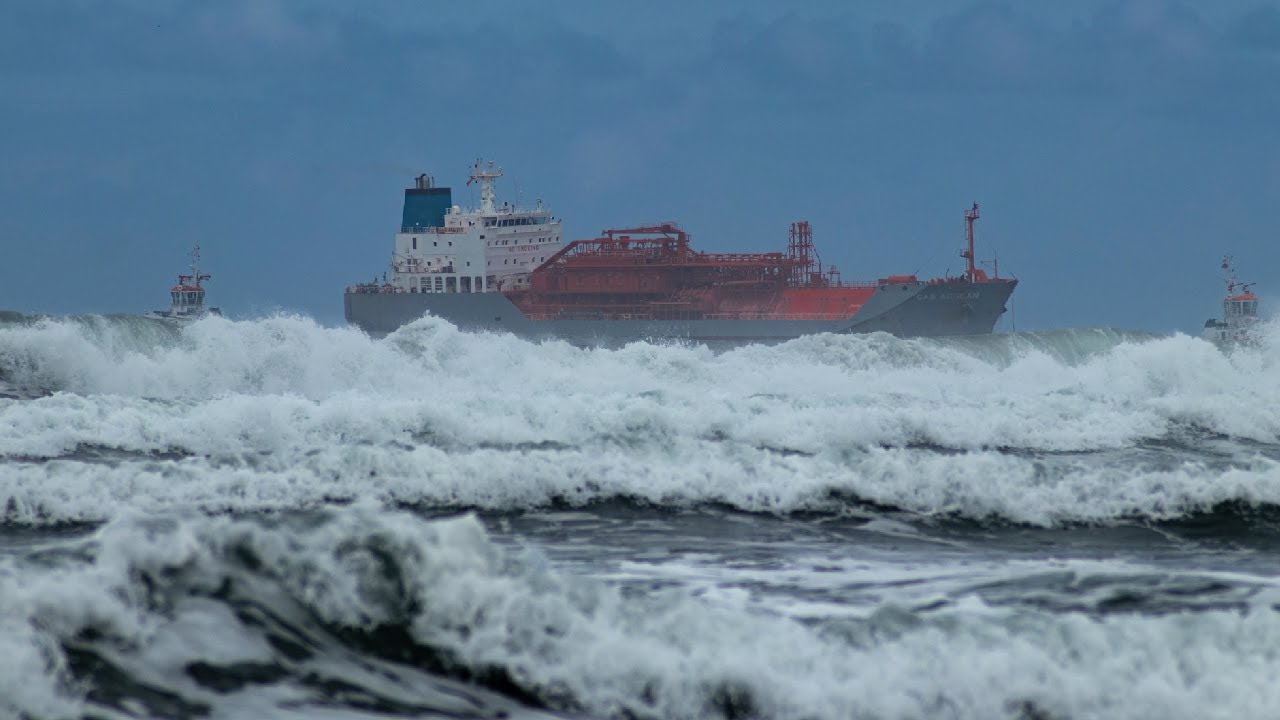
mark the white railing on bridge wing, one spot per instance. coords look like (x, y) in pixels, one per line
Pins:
(432, 230)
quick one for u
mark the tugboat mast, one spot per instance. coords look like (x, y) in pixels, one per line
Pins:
(1229, 273)
(195, 276)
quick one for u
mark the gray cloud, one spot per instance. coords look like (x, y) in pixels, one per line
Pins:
(1148, 48)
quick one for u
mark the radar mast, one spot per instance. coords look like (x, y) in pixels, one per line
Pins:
(485, 176)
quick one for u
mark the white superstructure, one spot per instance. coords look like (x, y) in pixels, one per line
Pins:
(1239, 323)
(486, 249)
(187, 296)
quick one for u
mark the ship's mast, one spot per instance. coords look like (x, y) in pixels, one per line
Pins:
(1229, 274)
(485, 176)
(970, 268)
(195, 267)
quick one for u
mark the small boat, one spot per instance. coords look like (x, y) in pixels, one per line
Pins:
(1239, 323)
(187, 296)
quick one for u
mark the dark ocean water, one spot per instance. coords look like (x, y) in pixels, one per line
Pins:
(272, 519)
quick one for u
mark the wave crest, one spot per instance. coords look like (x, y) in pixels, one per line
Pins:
(364, 609)
(1070, 426)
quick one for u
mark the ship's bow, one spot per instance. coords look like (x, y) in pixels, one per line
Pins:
(955, 307)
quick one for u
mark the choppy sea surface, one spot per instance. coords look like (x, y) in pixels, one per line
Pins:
(275, 519)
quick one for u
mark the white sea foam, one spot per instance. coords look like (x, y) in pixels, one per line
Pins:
(976, 485)
(282, 412)
(581, 644)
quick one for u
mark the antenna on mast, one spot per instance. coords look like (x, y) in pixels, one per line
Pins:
(195, 266)
(1229, 271)
(485, 176)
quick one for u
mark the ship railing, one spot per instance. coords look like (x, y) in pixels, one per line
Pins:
(859, 284)
(409, 269)
(371, 289)
(673, 315)
(772, 258)
(389, 289)
(433, 231)
(641, 255)
(777, 316)
(636, 253)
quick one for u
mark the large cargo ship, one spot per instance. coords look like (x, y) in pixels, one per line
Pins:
(504, 268)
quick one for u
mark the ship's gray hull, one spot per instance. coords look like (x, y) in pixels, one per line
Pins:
(908, 310)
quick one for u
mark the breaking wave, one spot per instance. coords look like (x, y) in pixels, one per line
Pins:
(102, 414)
(366, 611)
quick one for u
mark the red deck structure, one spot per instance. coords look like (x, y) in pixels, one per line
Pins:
(651, 272)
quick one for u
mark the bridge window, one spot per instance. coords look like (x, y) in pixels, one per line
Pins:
(415, 243)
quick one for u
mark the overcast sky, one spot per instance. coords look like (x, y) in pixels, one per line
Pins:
(1118, 149)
